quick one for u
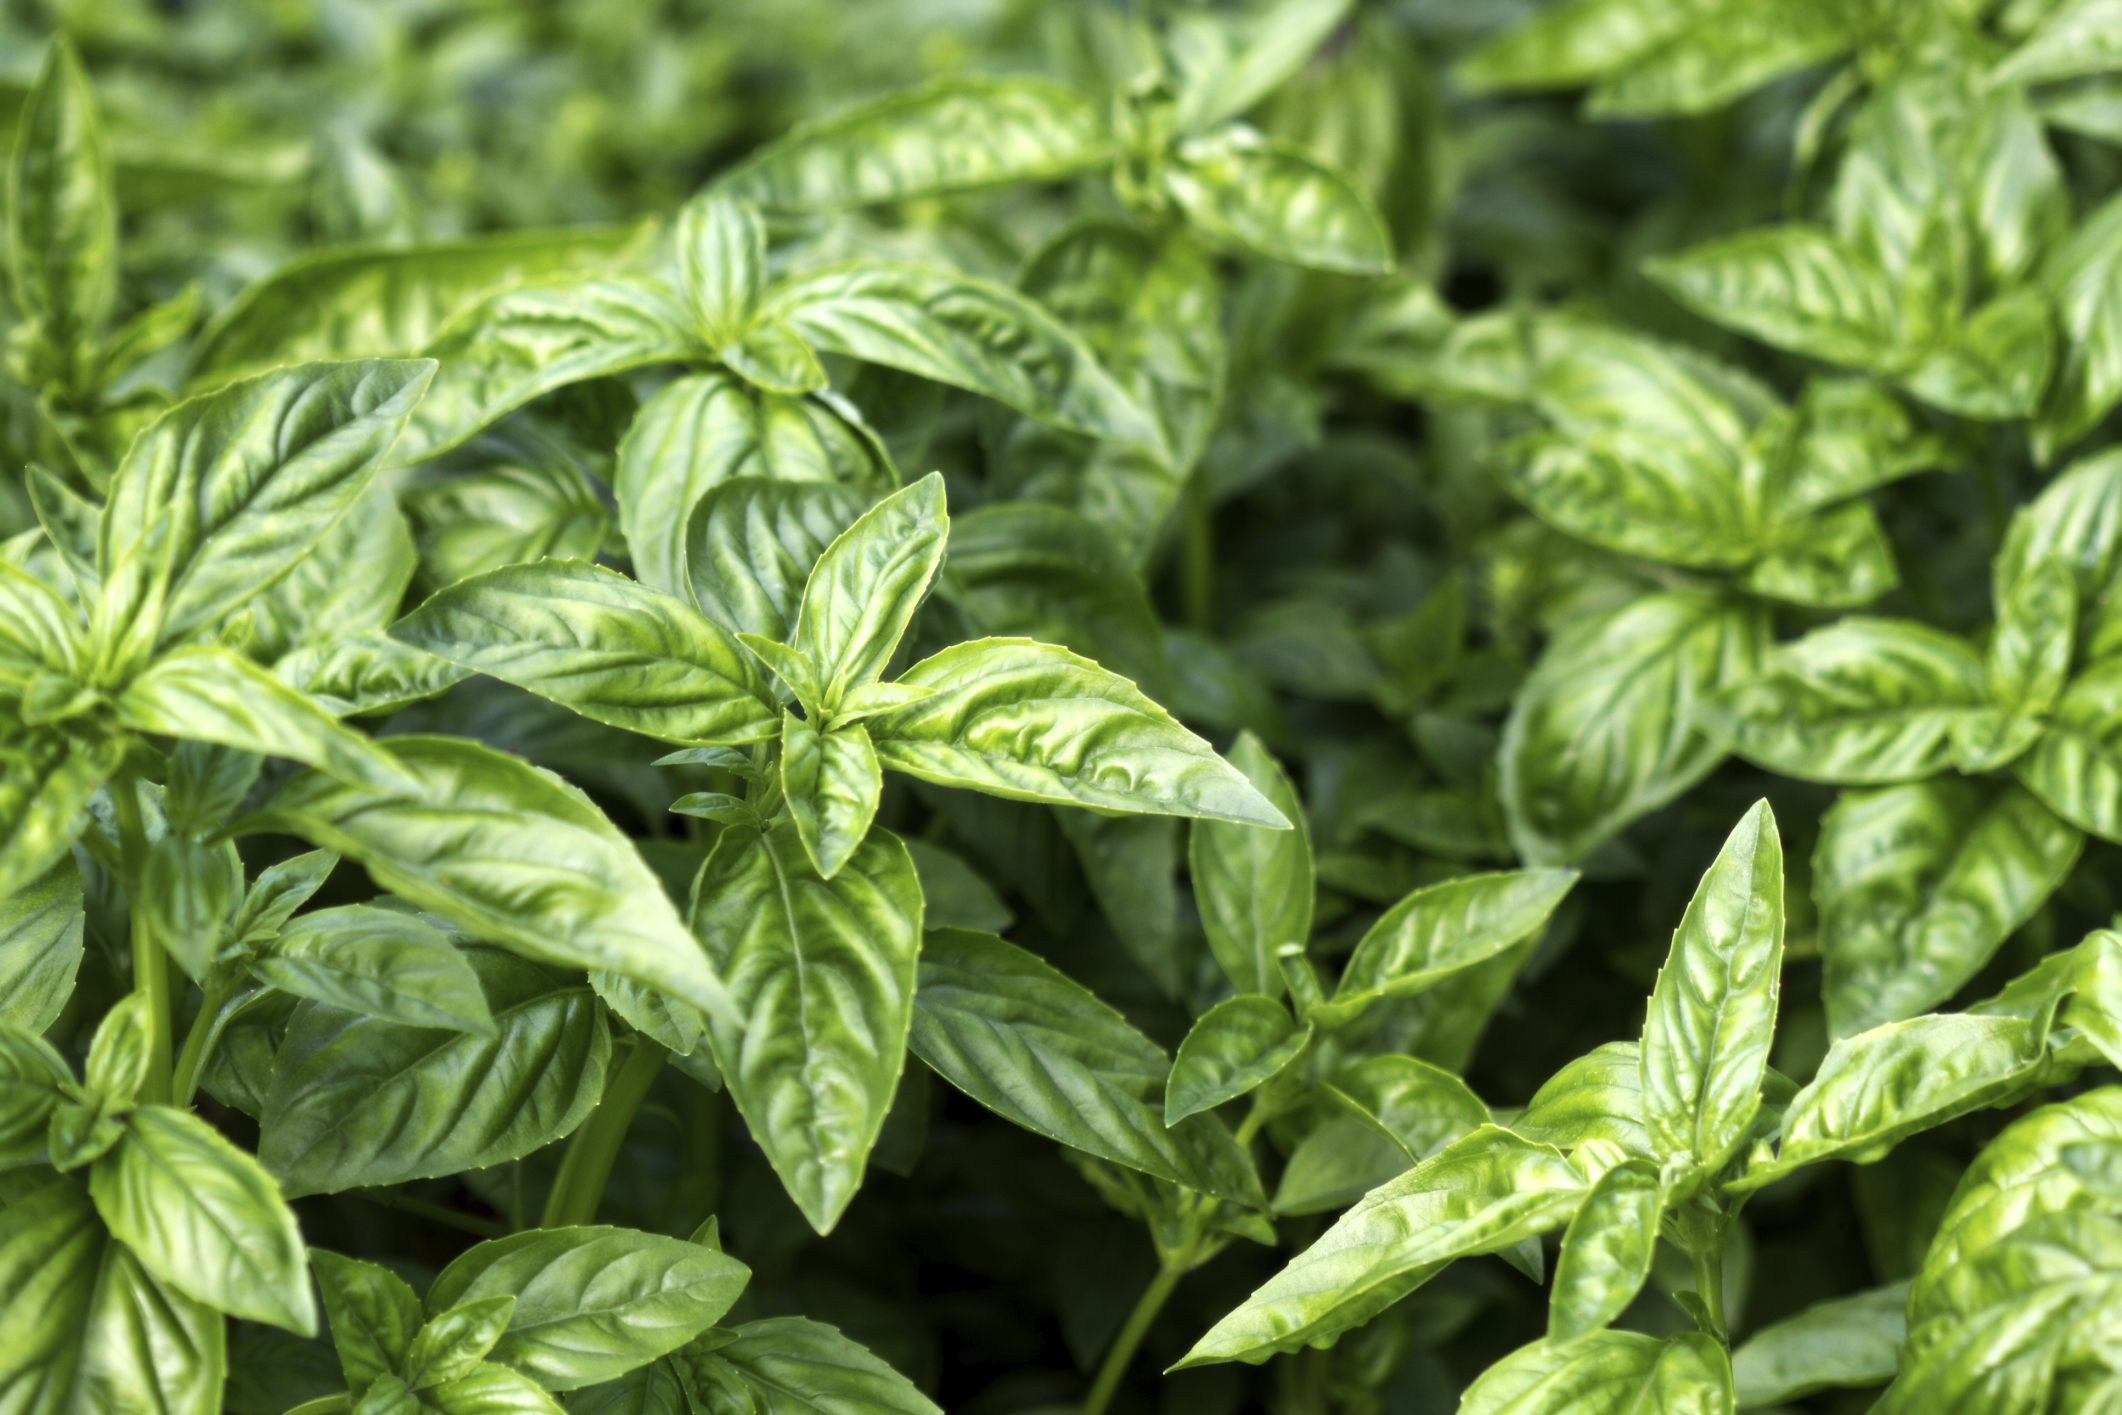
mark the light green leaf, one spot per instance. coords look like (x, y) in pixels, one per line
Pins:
(1238, 1044)
(361, 1101)
(722, 255)
(1727, 52)
(1919, 885)
(450, 1346)
(705, 429)
(513, 346)
(1796, 287)
(2075, 38)
(1713, 1012)
(31, 1073)
(211, 695)
(1602, 730)
(2075, 767)
(1610, 1373)
(794, 1366)
(39, 631)
(189, 890)
(2081, 277)
(773, 357)
(591, 1303)
(88, 1327)
(865, 587)
(366, 675)
(599, 644)
(62, 214)
(1442, 929)
(2077, 520)
(965, 332)
(951, 135)
(372, 1312)
(1850, 1341)
(832, 783)
(1639, 492)
(40, 947)
(654, 1389)
(46, 780)
(1419, 1107)
(352, 582)
(1254, 885)
(1606, 1252)
(1482, 1194)
(379, 963)
(520, 492)
(1227, 63)
(823, 973)
(1041, 1050)
(1598, 1096)
(750, 544)
(509, 853)
(1996, 365)
(205, 1218)
(222, 495)
(1239, 189)
(1036, 723)
(1839, 559)
(120, 1051)
(1861, 701)
(1340, 1161)
(490, 1390)
(1572, 43)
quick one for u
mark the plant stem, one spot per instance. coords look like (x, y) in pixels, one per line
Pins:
(199, 1042)
(579, 1187)
(150, 967)
(1198, 563)
(1709, 1286)
(1122, 1352)
(438, 1213)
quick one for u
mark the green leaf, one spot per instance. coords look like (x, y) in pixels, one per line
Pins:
(189, 889)
(591, 1303)
(1606, 1252)
(452, 1344)
(222, 495)
(2080, 277)
(40, 947)
(1240, 1043)
(1636, 491)
(62, 214)
(1130, 864)
(1713, 1012)
(46, 780)
(965, 332)
(88, 1327)
(119, 1053)
(1419, 1107)
(1340, 1161)
(773, 357)
(379, 963)
(1919, 885)
(352, 582)
(1240, 189)
(1996, 364)
(1481, 1194)
(275, 895)
(1254, 885)
(832, 783)
(950, 135)
(31, 1073)
(1860, 701)
(823, 971)
(520, 343)
(794, 1366)
(654, 1389)
(2077, 520)
(390, 301)
(39, 631)
(1610, 1373)
(509, 853)
(751, 542)
(2075, 38)
(2075, 766)
(1795, 287)
(1598, 1096)
(212, 695)
(1097, 742)
(521, 492)
(956, 895)
(372, 1312)
(866, 585)
(361, 1101)
(366, 675)
(1850, 1341)
(1725, 53)
(1839, 559)
(1570, 44)
(1041, 1050)
(1439, 931)
(491, 1390)
(599, 644)
(1227, 63)
(722, 255)
(706, 429)
(205, 1218)
(1601, 732)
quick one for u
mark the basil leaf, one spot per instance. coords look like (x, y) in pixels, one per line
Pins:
(956, 895)
(1130, 864)
(654, 1389)
(46, 780)
(1101, 743)
(1638, 673)
(950, 135)
(591, 1303)
(361, 1101)
(794, 1366)
(1438, 932)
(1240, 1043)
(968, 333)
(352, 582)
(1850, 1341)
(1795, 287)
(599, 644)
(521, 492)
(1919, 885)
(372, 1312)
(2072, 39)
(1861, 701)
(450, 1346)
(1639, 492)
(773, 357)
(2076, 519)
(750, 544)
(40, 947)
(1254, 886)
(88, 1326)
(1228, 63)
(1598, 1096)
(1419, 1107)
(205, 1218)
(1340, 1161)
(1240, 189)
(1481, 1194)
(722, 257)
(832, 783)
(62, 214)
(366, 675)
(1839, 559)
(1713, 1012)
(469, 843)
(490, 1390)
(1609, 1373)
(31, 1073)
(1041, 1050)
(2080, 279)
(866, 585)
(189, 889)
(1722, 55)
(1606, 1252)
(705, 429)
(2075, 766)
(221, 496)
(379, 963)
(1569, 45)
(38, 629)
(823, 971)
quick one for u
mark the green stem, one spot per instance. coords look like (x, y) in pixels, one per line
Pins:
(1198, 589)
(150, 967)
(438, 1213)
(579, 1187)
(1709, 1286)
(1137, 1326)
(199, 1042)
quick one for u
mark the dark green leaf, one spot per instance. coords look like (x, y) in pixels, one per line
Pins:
(40, 947)
(794, 1366)
(31, 1073)
(62, 226)
(1419, 1107)
(1850, 1341)
(373, 1315)
(2075, 766)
